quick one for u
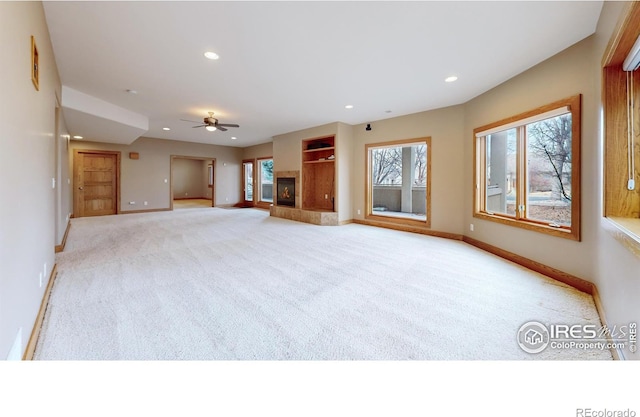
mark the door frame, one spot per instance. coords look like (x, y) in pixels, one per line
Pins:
(76, 152)
(208, 160)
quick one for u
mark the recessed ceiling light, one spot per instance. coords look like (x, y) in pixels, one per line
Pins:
(233, 138)
(211, 55)
(450, 79)
(348, 106)
(166, 128)
(78, 137)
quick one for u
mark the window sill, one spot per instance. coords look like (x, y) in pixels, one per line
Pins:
(536, 227)
(626, 231)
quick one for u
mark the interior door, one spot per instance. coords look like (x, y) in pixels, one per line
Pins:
(96, 183)
(248, 180)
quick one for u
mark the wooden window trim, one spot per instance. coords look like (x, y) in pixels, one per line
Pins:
(369, 215)
(479, 178)
(621, 207)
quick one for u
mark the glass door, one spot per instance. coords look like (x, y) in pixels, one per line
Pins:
(265, 180)
(248, 180)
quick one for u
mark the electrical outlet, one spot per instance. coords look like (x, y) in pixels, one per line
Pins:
(471, 227)
(226, 199)
(145, 203)
(358, 211)
(326, 196)
(186, 194)
(53, 183)
(165, 180)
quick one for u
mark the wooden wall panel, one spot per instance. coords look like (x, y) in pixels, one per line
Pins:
(618, 200)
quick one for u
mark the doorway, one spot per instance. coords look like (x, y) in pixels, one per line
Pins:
(192, 182)
(96, 183)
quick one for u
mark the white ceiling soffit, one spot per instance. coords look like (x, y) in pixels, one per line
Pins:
(98, 121)
(286, 66)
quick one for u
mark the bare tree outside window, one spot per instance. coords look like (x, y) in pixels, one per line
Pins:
(550, 141)
(387, 166)
(421, 165)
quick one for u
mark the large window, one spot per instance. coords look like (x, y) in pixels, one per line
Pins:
(398, 176)
(527, 170)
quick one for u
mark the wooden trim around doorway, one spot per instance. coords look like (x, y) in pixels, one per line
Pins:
(210, 161)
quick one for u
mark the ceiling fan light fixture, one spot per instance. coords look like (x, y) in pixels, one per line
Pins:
(210, 128)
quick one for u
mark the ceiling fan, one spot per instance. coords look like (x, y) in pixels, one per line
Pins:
(211, 124)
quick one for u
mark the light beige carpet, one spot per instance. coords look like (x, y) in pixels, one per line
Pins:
(238, 284)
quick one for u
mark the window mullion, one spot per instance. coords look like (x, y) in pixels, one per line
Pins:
(481, 184)
(521, 169)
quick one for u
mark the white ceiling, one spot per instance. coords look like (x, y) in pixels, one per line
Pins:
(286, 66)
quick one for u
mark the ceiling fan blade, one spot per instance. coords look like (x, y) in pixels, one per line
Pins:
(199, 126)
(227, 125)
(224, 129)
(191, 121)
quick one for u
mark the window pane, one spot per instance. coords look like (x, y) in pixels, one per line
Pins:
(399, 181)
(549, 170)
(266, 180)
(501, 172)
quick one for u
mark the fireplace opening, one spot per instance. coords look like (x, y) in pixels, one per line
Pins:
(286, 191)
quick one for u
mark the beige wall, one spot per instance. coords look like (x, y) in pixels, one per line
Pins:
(258, 151)
(189, 178)
(344, 172)
(598, 257)
(32, 153)
(445, 127)
(566, 74)
(144, 179)
(28, 145)
(63, 197)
